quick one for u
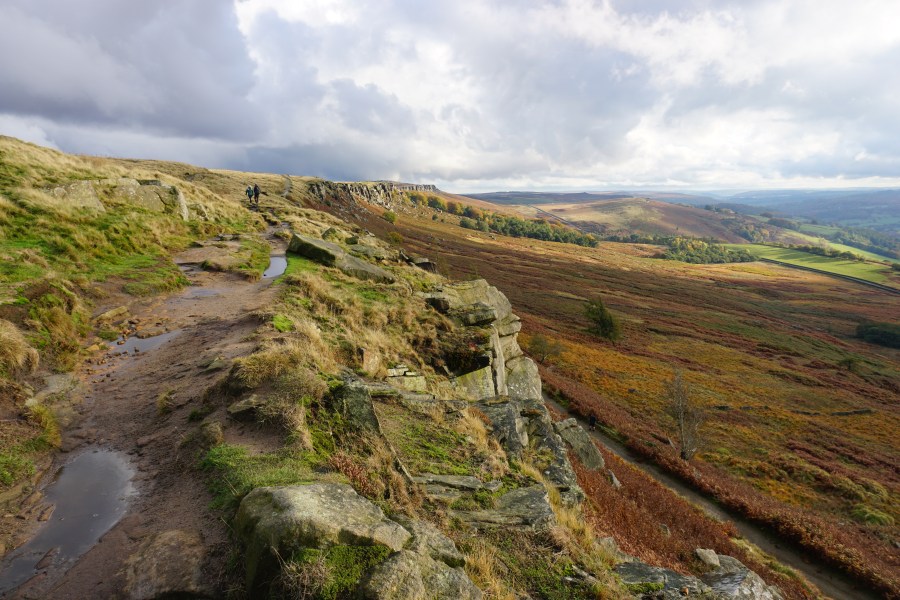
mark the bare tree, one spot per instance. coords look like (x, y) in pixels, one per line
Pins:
(689, 416)
(543, 348)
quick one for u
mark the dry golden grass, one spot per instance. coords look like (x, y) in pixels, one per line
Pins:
(472, 424)
(17, 357)
(484, 568)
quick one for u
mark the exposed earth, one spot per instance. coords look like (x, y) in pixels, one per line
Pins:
(202, 329)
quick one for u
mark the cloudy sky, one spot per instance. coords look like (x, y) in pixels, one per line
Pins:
(474, 95)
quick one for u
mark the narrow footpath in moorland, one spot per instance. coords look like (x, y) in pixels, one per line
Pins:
(832, 584)
(127, 470)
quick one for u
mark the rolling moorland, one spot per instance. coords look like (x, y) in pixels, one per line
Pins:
(803, 430)
(803, 414)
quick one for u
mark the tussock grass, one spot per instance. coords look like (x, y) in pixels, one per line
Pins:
(17, 357)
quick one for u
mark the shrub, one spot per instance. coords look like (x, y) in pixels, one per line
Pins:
(389, 216)
(883, 334)
(603, 323)
(395, 238)
(435, 202)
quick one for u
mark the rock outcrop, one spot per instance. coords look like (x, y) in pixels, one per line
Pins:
(508, 388)
(332, 255)
(424, 563)
(734, 580)
(581, 443)
(151, 194)
(273, 521)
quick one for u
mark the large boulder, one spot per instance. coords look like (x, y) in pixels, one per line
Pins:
(581, 443)
(471, 302)
(277, 521)
(353, 401)
(315, 249)
(525, 508)
(167, 565)
(332, 255)
(522, 379)
(734, 580)
(557, 469)
(78, 194)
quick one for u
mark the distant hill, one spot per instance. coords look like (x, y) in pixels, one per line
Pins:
(622, 215)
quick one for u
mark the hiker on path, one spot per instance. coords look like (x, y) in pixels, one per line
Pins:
(256, 194)
(592, 421)
(249, 192)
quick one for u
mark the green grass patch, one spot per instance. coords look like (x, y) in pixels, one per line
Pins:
(234, 472)
(867, 271)
(298, 264)
(344, 566)
(282, 323)
(424, 445)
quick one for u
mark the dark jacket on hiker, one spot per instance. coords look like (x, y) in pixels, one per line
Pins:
(249, 192)
(256, 192)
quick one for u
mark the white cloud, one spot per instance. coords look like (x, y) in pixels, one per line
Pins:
(574, 93)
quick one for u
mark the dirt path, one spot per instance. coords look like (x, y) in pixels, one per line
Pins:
(832, 584)
(211, 319)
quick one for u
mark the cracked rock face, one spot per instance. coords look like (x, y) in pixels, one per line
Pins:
(169, 564)
(527, 508)
(320, 515)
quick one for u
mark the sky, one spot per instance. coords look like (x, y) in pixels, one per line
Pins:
(469, 95)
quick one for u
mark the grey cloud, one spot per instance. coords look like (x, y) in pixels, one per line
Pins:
(174, 67)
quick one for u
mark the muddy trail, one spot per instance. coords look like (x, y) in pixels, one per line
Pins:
(127, 470)
(832, 584)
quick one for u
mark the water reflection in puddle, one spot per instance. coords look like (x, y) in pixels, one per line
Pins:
(90, 495)
(135, 344)
(277, 266)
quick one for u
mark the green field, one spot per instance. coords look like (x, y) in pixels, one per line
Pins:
(868, 271)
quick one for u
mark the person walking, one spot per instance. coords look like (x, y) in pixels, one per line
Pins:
(592, 421)
(256, 191)
(249, 192)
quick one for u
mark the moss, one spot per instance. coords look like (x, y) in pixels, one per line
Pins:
(345, 565)
(644, 587)
(234, 472)
(282, 323)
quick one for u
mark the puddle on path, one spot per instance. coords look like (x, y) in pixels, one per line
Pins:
(136, 344)
(277, 266)
(194, 293)
(90, 495)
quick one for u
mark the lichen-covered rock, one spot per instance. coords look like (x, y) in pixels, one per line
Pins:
(558, 471)
(333, 255)
(282, 520)
(167, 565)
(508, 426)
(581, 443)
(78, 194)
(246, 408)
(707, 557)
(408, 575)
(315, 249)
(471, 302)
(477, 385)
(734, 580)
(354, 402)
(656, 582)
(427, 539)
(522, 379)
(410, 382)
(527, 508)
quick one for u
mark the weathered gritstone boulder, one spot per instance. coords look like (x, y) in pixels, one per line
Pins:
(451, 487)
(527, 508)
(471, 302)
(246, 408)
(333, 255)
(151, 194)
(559, 471)
(581, 443)
(407, 575)
(428, 540)
(354, 402)
(509, 428)
(734, 580)
(79, 194)
(522, 379)
(167, 565)
(707, 557)
(284, 519)
(477, 385)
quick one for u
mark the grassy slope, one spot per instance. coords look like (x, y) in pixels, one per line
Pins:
(876, 272)
(774, 348)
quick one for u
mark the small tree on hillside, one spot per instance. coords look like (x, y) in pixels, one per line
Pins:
(603, 323)
(543, 348)
(688, 414)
